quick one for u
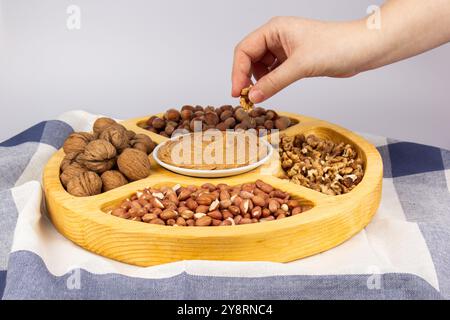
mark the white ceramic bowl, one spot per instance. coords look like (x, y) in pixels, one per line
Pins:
(212, 173)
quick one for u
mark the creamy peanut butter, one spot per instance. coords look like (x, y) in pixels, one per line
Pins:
(213, 151)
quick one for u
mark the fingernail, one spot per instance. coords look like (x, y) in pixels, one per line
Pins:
(256, 95)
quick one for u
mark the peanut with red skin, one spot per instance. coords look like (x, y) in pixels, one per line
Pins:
(209, 205)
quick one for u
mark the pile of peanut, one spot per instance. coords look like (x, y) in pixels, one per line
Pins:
(320, 164)
(210, 205)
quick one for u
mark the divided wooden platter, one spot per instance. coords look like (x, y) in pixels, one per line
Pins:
(331, 221)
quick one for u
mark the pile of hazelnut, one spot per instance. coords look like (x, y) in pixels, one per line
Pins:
(222, 118)
(321, 164)
(108, 158)
(210, 205)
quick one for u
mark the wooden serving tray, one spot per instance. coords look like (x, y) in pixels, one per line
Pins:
(331, 221)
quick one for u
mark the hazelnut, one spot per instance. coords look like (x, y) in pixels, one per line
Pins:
(85, 185)
(240, 114)
(226, 114)
(113, 179)
(259, 121)
(169, 129)
(172, 115)
(271, 115)
(196, 125)
(282, 123)
(210, 109)
(226, 107)
(162, 133)
(134, 164)
(77, 141)
(150, 121)
(230, 123)
(250, 123)
(158, 123)
(186, 114)
(222, 126)
(187, 107)
(211, 118)
(240, 126)
(268, 124)
(151, 129)
(99, 156)
(101, 124)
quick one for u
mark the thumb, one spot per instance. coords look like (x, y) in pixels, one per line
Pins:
(275, 81)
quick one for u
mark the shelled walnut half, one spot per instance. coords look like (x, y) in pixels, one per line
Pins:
(321, 164)
(245, 101)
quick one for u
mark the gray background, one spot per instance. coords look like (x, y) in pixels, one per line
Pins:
(134, 58)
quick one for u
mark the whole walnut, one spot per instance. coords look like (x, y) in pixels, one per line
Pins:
(99, 156)
(143, 142)
(71, 171)
(70, 158)
(134, 164)
(113, 179)
(85, 185)
(131, 134)
(101, 124)
(77, 141)
(116, 136)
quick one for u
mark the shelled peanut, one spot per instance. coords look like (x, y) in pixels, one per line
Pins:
(223, 118)
(210, 205)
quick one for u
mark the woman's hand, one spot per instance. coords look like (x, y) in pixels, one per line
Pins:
(287, 49)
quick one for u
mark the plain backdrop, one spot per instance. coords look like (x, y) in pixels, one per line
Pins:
(133, 58)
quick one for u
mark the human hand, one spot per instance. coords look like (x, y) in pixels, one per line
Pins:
(287, 49)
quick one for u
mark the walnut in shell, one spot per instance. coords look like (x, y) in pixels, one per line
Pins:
(85, 185)
(134, 164)
(71, 171)
(143, 142)
(113, 179)
(117, 136)
(77, 141)
(70, 158)
(101, 124)
(99, 156)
